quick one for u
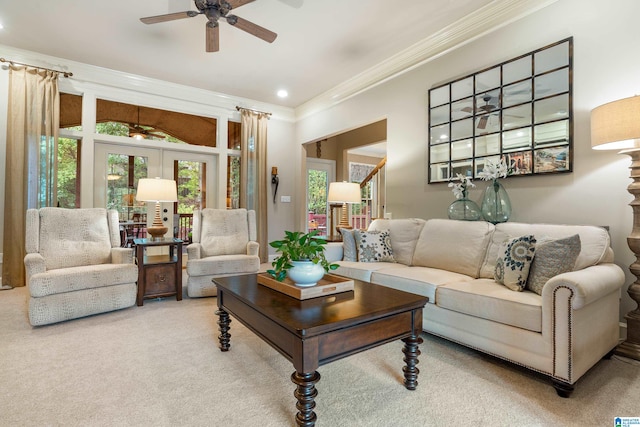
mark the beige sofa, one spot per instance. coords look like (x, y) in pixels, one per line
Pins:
(561, 333)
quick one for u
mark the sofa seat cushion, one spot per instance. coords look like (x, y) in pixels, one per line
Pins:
(362, 270)
(418, 280)
(486, 299)
(223, 264)
(457, 246)
(83, 277)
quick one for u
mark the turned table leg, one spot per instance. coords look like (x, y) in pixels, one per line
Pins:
(305, 393)
(411, 353)
(225, 337)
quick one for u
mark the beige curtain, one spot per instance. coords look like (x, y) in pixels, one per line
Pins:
(253, 172)
(30, 175)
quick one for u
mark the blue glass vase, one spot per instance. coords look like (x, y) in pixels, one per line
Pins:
(496, 205)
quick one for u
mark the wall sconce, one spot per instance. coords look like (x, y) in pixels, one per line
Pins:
(274, 181)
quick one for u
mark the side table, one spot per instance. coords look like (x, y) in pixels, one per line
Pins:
(159, 275)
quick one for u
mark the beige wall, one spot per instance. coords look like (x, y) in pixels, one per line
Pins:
(606, 68)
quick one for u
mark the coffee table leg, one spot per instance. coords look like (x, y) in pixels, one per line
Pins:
(305, 393)
(411, 353)
(225, 337)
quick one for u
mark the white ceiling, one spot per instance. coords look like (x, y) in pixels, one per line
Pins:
(320, 44)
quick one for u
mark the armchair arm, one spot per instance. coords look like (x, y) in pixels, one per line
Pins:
(121, 256)
(253, 248)
(587, 285)
(194, 251)
(34, 264)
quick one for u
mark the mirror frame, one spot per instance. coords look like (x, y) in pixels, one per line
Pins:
(467, 113)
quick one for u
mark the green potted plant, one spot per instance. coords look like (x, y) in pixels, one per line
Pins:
(302, 258)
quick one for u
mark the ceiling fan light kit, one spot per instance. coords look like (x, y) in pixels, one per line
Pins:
(214, 10)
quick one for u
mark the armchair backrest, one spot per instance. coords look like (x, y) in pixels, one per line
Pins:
(72, 237)
(223, 231)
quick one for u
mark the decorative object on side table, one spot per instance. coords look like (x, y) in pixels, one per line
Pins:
(616, 126)
(496, 205)
(157, 190)
(302, 258)
(463, 208)
(344, 192)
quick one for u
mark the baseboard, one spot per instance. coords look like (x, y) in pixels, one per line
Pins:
(623, 331)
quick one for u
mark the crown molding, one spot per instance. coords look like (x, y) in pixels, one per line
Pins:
(89, 76)
(491, 17)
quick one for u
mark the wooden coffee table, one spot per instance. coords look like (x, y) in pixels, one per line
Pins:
(320, 330)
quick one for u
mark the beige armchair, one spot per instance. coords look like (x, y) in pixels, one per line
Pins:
(75, 266)
(224, 244)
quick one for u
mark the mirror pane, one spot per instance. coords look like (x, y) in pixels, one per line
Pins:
(439, 96)
(551, 58)
(552, 83)
(516, 70)
(439, 115)
(517, 93)
(516, 116)
(516, 139)
(439, 153)
(520, 163)
(462, 88)
(461, 149)
(462, 129)
(488, 144)
(488, 123)
(462, 109)
(481, 161)
(553, 159)
(552, 133)
(487, 80)
(462, 168)
(439, 134)
(488, 101)
(439, 172)
(554, 108)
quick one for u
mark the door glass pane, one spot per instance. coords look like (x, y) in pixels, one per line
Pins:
(68, 173)
(191, 179)
(317, 183)
(123, 173)
(233, 182)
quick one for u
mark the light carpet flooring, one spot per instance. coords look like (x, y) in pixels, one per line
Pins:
(159, 365)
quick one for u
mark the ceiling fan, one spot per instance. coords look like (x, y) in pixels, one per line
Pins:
(214, 10)
(137, 131)
(487, 108)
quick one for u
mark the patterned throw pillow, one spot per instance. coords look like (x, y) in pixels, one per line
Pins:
(512, 267)
(553, 257)
(374, 246)
(349, 245)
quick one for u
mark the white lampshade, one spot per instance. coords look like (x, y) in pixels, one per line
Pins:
(344, 192)
(616, 125)
(157, 190)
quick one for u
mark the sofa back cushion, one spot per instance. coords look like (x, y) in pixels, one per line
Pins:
(403, 233)
(595, 242)
(74, 237)
(224, 232)
(457, 246)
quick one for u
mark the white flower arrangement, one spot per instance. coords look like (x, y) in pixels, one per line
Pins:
(460, 188)
(493, 171)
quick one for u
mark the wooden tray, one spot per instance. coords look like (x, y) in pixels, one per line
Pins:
(328, 285)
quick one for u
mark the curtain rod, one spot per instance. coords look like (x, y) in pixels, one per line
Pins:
(64, 73)
(251, 109)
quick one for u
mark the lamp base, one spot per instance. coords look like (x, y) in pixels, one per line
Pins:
(344, 218)
(157, 233)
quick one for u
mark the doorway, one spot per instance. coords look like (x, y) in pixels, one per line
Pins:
(320, 173)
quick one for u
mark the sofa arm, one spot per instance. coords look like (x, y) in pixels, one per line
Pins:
(34, 264)
(253, 248)
(587, 285)
(194, 251)
(333, 251)
(121, 256)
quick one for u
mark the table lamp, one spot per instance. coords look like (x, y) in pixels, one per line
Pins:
(157, 190)
(344, 192)
(616, 126)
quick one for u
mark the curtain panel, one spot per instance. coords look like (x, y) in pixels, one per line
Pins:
(32, 146)
(253, 172)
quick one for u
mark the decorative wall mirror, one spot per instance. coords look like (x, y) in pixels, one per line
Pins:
(520, 110)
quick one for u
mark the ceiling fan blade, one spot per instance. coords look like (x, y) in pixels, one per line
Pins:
(212, 37)
(251, 28)
(482, 123)
(169, 17)
(467, 109)
(237, 3)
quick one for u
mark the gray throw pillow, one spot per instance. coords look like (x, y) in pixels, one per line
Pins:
(350, 252)
(514, 262)
(553, 257)
(374, 246)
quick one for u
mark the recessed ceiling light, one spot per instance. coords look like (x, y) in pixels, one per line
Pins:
(283, 93)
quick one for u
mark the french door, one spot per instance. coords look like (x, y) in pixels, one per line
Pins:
(320, 173)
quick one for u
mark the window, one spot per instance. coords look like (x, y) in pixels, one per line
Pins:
(68, 173)
(233, 165)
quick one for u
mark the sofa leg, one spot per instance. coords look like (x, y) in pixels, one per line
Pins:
(563, 389)
(609, 355)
